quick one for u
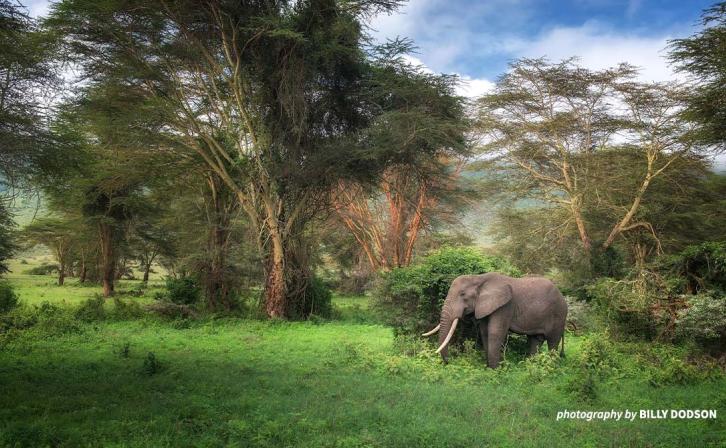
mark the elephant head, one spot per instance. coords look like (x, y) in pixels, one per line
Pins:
(468, 294)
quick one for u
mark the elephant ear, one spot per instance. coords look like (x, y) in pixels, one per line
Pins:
(491, 298)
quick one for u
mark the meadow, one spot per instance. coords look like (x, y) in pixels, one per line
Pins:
(134, 379)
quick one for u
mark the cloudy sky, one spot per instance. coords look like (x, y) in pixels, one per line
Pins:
(477, 38)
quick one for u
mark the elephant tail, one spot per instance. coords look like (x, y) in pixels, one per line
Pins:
(562, 350)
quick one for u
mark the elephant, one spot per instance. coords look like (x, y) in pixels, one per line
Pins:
(532, 306)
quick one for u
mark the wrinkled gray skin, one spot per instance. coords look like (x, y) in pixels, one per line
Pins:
(531, 305)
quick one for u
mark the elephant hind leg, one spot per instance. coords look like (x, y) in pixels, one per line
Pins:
(553, 340)
(535, 342)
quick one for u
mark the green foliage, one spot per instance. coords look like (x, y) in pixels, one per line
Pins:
(151, 365)
(703, 56)
(626, 305)
(673, 370)
(315, 301)
(42, 269)
(410, 298)
(7, 243)
(596, 361)
(698, 267)
(182, 291)
(542, 365)
(607, 263)
(91, 310)
(8, 298)
(704, 321)
(42, 321)
(597, 354)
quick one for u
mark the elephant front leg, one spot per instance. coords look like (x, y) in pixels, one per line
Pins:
(484, 336)
(498, 327)
(494, 348)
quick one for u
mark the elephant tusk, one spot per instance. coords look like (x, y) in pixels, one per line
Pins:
(432, 331)
(448, 336)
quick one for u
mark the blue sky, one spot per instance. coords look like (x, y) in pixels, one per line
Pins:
(476, 39)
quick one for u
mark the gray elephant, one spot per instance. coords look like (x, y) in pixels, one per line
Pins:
(531, 305)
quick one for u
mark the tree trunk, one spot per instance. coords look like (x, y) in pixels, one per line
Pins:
(82, 274)
(61, 274)
(108, 262)
(147, 268)
(275, 288)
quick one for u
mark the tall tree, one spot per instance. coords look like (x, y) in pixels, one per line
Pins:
(267, 94)
(568, 136)
(423, 120)
(703, 56)
(27, 78)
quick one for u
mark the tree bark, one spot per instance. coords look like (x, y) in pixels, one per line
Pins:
(61, 273)
(108, 261)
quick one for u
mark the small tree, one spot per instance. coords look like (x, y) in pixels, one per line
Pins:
(57, 235)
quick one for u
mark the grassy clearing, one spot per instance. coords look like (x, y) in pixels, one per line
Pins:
(234, 382)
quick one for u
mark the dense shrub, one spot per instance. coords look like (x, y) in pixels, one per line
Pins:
(44, 320)
(410, 298)
(316, 301)
(699, 267)
(43, 269)
(182, 291)
(704, 321)
(8, 298)
(596, 361)
(626, 306)
(91, 310)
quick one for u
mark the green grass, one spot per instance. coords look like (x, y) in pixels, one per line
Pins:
(235, 382)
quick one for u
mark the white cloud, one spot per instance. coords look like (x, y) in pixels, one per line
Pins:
(469, 87)
(452, 39)
(599, 47)
(474, 87)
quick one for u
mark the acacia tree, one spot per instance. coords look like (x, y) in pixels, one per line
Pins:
(422, 120)
(58, 236)
(267, 94)
(567, 136)
(27, 76)
(703, 56)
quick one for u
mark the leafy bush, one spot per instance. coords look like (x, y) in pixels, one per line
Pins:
(597, 354)
(181, 291)
(704, 321)
(91, 310)
(674, 370)
(699, 267)
(126, 309)
(597, 360)
(8, 298)
(410, 298)
(151, 365)
(43, 269)
(580, 315)
(542, 365)
(317, 301)
(627, 306)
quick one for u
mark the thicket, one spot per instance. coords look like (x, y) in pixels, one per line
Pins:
(679, 298)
